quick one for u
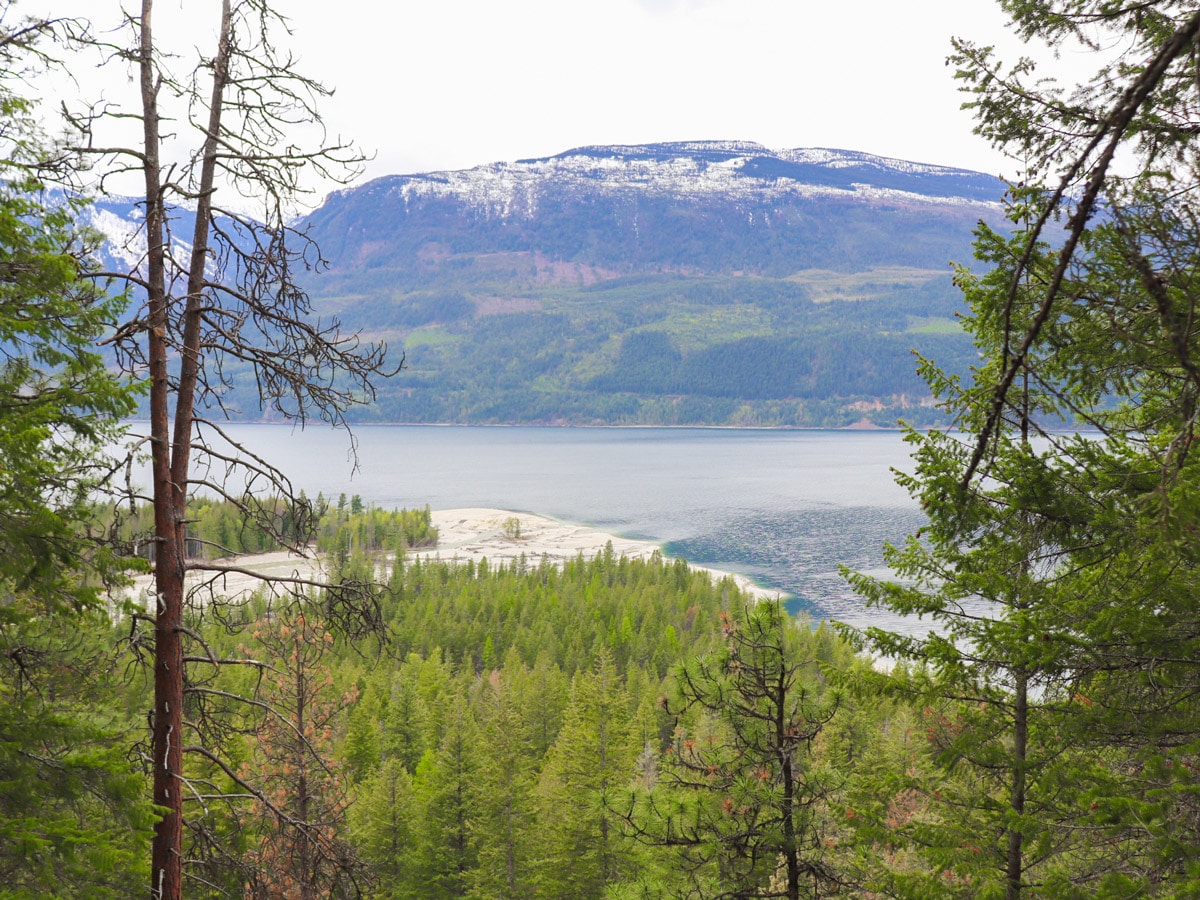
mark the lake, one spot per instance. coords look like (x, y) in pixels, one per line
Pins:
(782, 507)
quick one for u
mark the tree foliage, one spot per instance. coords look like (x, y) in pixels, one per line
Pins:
(1058, 568)
(74, 817)
(738, 791)
(59, 403)
(73, 821)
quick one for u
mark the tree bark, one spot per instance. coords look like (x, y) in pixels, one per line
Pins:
(167, 744)
(239, 301)
(1014, 869)
(171, 448)
(783, 744)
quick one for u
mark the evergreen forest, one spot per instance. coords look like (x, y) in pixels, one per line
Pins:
(607, 728)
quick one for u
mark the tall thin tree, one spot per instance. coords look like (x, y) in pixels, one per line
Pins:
(231, 306)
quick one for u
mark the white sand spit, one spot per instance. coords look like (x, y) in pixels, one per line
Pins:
(463, 534)
(478, 533)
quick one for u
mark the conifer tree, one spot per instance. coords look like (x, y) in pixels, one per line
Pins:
(592, 757)
(71, 821)
(229, 298)
(737, 797)
(403, 718)
(384, 828)
(74, 821)
(300, 817)
(59, 403)
(444, 791)
(1057, 567)
(503, 795)
(541, 693)
(361, 749)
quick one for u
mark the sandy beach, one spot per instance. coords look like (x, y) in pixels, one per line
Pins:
(463, 534)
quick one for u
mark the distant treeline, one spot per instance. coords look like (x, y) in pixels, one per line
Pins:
(778, 368)
(678, 351)
(219, 528)
(487, 342)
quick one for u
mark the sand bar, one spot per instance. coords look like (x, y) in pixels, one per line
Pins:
(463, 534)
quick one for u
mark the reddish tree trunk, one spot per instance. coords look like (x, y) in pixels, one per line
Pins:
(167, 746)
(171, 452)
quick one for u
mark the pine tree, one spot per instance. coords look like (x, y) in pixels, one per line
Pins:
(230, 300)
(995, 572)
(541, 694)
(737, 796)
(302, 797)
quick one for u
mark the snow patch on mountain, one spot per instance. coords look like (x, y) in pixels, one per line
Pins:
(845, 159)
(125, 240)
(728, 170)
(124, 249)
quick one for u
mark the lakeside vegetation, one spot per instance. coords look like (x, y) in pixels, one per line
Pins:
(828, 350)
(613, 728)
(222, 527)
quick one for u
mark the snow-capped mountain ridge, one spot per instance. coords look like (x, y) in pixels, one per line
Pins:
(703, 282)
(727, 170)
(720, 151)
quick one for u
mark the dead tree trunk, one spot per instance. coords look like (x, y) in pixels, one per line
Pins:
(167, 754)
(237, 299)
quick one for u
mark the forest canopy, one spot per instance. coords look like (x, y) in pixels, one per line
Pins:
(607, 728)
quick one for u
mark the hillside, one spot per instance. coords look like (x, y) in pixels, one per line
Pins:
(693, 283)
(686, 283)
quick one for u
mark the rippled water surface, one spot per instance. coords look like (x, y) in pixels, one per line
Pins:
(784, 507)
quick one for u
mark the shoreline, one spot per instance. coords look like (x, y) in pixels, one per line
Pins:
(352, 426)
(467, 533)
(477, 532)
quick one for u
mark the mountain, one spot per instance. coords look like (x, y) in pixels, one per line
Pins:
(699, 206)
(709, 282)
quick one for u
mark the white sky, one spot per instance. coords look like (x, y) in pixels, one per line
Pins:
(454, 83)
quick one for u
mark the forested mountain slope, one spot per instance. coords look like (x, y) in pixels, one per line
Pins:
(683, 283)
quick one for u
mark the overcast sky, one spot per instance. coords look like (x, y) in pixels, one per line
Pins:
(445, 84)
(454, 83)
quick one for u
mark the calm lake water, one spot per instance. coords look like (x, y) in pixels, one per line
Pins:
(782, 507)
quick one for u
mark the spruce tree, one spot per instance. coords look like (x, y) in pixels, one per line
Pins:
(503, 795)
(592, 758)
(1057, 568)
